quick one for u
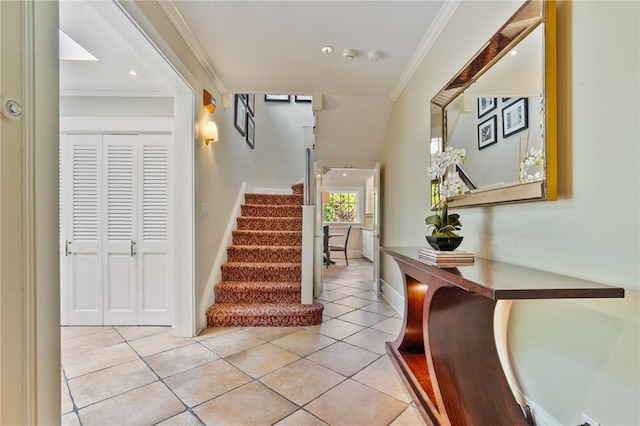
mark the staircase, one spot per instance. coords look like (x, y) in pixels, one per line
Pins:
(261, 280)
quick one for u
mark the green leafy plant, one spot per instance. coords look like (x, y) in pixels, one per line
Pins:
(443, 223)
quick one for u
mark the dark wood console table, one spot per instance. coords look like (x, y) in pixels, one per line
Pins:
(446, 352)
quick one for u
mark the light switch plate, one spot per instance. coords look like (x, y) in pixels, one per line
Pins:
(204, 208)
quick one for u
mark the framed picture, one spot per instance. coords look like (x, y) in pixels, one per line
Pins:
(251, 104)
(277, 98)
(303, 98)
(487, 132)
(486, 105)
(515, 117)
(251, 131)
(240, 115)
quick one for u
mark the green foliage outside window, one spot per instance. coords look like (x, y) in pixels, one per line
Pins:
(340, 208)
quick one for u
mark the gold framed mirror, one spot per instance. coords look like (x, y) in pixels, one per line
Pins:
(501, 108)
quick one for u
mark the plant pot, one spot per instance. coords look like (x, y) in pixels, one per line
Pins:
(444, 243)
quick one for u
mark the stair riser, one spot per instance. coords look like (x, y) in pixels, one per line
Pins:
(271, 199)
(269, 224)
(224, 296)
(270, 274)
(257, 239)
(237, 254)
(266, 321)
(271, 211)
(270, 315)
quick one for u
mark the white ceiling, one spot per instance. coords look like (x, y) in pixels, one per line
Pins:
(346, 176)
(259, 46)
(102, 29)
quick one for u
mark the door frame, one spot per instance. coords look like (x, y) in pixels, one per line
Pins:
(323, 165)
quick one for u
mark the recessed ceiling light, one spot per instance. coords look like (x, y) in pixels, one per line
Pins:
(133, 73)
(349, 53)
(344, 175)
(513, 52)
(326, 50)
(375, 55)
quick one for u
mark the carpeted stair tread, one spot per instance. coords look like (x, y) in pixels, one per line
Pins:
(274, 238)
(269, 223)
(259, 210)
(261, 271)
(258, 292)
(273, 199)
(256, 253)
(264, 314)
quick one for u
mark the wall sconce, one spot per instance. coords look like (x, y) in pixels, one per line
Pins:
(209, 101)
(211, 132)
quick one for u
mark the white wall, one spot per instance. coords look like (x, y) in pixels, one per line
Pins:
(352, 128)
(279, 143)
(116, 106)
(569, 356)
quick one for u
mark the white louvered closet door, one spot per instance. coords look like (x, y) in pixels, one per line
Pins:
(83, 246)
(155, 230)
(116, 236)
(119, 231)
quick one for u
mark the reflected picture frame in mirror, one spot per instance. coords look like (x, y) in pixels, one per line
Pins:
(457, 112)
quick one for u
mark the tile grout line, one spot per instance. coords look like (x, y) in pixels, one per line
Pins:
(161, 380)
(73, 402)
(344, 378)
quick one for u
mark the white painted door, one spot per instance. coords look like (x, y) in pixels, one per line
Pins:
(319, 249)
(83, 235)
(120, 228)
(154, 242)
(119, 261)
(376, 229)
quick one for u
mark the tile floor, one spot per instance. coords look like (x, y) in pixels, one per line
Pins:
(336, 373)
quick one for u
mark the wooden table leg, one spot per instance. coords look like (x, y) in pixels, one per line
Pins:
(468, 374)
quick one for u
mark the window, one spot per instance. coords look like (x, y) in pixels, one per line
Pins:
(340, 207)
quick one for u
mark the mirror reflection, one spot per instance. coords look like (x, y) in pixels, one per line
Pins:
(496, 108)
(499, 118)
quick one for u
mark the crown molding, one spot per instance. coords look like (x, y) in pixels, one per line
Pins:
(438, 25)
(192, 41)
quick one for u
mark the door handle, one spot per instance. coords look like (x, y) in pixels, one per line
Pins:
(67, 248)
(133, 248)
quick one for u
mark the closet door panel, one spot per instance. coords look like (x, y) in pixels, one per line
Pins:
(155, 251)
(84, 278)
(120, 200)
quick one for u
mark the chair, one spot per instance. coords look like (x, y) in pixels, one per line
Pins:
(325, 245)
(340, 247)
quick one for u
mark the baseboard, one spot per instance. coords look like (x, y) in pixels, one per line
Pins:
(352, 254)
(540, 415)
(395, 299)
(215, 276)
